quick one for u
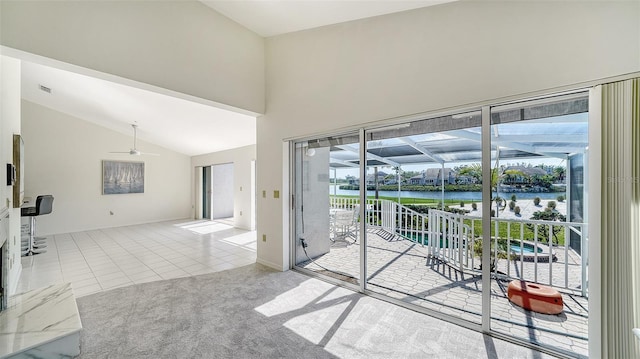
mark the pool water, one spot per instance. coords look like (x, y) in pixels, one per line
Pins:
(514, 247)
(526, 249)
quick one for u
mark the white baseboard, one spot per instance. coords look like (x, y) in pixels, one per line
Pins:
(275, 266)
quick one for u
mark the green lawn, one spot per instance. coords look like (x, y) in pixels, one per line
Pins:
(416, 201)
(514, 229)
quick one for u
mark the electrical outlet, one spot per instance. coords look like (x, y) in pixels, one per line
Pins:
(264, 237)
(276, 194)
(240, 188)
(241, 213)
(264, 194)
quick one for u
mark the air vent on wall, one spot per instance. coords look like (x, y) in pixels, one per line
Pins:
(45, 89)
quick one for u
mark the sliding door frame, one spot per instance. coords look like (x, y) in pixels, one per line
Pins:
(486, 219)
(592, 207)
(363, 210)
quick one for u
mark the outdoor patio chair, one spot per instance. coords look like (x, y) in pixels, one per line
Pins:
(343, 225)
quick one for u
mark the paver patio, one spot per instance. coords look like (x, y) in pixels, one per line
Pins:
(404, 270)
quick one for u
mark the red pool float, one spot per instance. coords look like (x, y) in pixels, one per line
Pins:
(535, 297)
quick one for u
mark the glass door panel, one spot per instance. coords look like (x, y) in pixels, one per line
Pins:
(538, 230)
(326, 206)
(424, 225)
(206, 192)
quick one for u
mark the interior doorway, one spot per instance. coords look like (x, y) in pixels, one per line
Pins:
(217, 191)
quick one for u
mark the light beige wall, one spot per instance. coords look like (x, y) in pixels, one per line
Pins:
(426, 60)
(183, 46)
(63, 157)
(242, 159)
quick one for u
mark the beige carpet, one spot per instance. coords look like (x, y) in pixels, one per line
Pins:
(255, 312)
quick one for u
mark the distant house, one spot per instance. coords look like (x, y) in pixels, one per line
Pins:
(464, 179)
(352, 180)
(418, 179)
(390, 181)
(433, 177)
(371, 178)
(523, 175)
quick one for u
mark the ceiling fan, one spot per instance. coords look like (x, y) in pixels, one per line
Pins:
(134, 151)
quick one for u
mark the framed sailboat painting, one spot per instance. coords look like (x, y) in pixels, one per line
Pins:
(120, 177)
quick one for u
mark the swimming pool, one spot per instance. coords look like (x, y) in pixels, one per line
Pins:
(526, 248)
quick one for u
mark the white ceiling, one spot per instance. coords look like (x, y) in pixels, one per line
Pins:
(183, 126)
(275, 17)
(179, 125)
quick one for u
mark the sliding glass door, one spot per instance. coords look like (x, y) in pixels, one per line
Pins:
(424, 183)
(477, 217)
(538, 226)
(327, 238)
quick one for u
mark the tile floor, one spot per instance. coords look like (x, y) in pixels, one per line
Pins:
(104, 259)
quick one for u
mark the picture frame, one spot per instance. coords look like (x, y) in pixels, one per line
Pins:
(122, 177)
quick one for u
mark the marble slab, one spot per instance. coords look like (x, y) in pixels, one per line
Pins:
(44, 321)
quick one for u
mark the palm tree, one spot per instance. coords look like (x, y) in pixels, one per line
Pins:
(496, 178)
(560, 172)
(473, 170)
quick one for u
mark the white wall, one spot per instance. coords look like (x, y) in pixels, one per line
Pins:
(241, 158)
(425, 60)
(63, 157)
(9, 125)
(183, 46)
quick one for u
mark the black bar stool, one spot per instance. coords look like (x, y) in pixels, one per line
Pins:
(44, 205)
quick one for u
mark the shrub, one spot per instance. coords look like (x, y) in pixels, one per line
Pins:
(513, 197)
(474, 206)
(418, 208)
(512, 205)
(536, 201)
(543, 230)
(560, 198)
(456, 210)
(461, 203)
(493, 213)
(517, 210)
(551, 204)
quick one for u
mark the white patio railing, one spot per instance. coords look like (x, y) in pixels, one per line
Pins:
(545, 264)
(455, 238)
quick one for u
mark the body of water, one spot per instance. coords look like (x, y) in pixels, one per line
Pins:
(470, 196)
